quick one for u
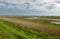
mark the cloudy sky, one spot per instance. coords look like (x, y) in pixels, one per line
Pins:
(30, 7)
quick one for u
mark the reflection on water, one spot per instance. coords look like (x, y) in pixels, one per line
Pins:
(32, 18)
(55, 22)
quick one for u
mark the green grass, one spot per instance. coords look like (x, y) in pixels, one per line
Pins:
(13, 31)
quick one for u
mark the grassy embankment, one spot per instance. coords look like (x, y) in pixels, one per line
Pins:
(12, 31)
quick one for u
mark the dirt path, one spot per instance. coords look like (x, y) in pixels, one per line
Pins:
(37, 26)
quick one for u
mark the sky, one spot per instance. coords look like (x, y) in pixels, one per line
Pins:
(30, 7)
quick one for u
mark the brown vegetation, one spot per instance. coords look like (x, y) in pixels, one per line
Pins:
(33, 25)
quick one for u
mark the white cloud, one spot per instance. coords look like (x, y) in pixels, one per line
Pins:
(44, 5)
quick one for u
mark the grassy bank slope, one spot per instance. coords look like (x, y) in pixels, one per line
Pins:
(12, 31)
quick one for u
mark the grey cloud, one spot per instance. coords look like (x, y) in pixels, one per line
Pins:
(32, 4)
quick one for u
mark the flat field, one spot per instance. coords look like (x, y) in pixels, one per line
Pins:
(12, 30)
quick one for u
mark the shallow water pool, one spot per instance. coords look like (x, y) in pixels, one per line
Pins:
(55, 22)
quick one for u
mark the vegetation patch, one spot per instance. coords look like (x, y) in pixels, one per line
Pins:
(12, 31)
